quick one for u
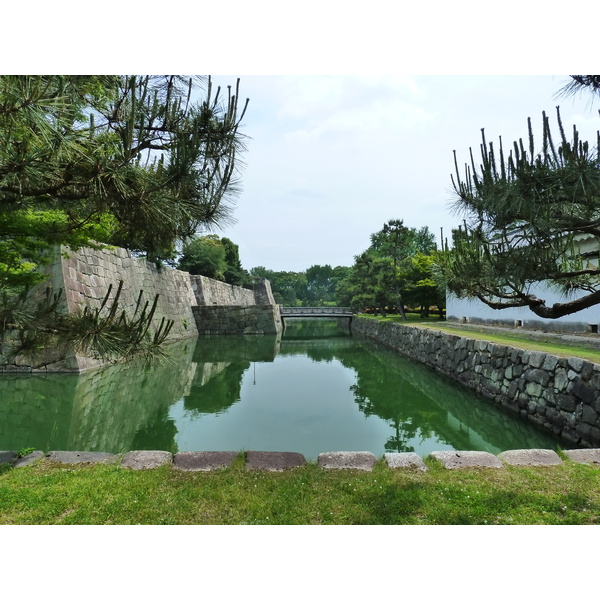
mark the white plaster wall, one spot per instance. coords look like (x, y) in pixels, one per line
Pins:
(457, 309)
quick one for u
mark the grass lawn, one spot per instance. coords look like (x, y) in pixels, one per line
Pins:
(48, 493)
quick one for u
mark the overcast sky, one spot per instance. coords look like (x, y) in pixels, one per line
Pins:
(331, 158)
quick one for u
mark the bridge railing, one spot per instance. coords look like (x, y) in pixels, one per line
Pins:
(314, 310)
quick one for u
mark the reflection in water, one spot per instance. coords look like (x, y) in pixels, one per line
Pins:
(115, 409)
(316, 389)
(316, 328)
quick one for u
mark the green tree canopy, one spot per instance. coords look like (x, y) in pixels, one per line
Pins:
(314, 287)
(288, 287)
(420, 287)
(399, 243)
(204, 256)
(211, 256)
(370, 283)
(137, 161)
(393, 271)
(132, 160)
(234, 272)
(321, 284)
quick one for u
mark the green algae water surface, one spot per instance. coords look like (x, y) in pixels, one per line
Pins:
(315, 389)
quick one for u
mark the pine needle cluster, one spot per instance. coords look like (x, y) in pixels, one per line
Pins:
(529, 217)
(106, 333)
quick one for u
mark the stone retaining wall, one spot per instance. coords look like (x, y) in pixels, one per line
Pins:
(561, 395)
(231, 320)
(86, 275)
(209, 292)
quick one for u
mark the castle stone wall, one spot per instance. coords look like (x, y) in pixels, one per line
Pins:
(560, 395)
(87, 275)
(210, 292)
(237, 320)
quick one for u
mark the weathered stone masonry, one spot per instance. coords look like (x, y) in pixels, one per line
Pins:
(231, 320)
(197, 305)
(209, 292)
(561, 395)
(88, 273)
(224, 309)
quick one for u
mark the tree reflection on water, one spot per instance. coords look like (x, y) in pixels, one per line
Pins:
(125, 407)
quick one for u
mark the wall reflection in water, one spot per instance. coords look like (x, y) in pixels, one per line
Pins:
(313, 390)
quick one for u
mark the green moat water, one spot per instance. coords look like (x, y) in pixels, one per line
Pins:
(316, 389)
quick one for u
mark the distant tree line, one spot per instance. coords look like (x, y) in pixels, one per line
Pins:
(219, 258)
(317, 286)
(394, 274)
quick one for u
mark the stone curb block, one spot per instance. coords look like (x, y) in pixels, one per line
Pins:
(465, 460)
(7, 457)
(139, 460)
(72, 458)
(203, 461)
(278, 461)
(29, 459)
(405, 460)
(530, 458)
(273, 461)
(364, 461)
(584, 455)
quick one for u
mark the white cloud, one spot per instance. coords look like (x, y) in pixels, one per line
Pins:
(359, 105)
(378, 117)
(331, 159)
(587, 126)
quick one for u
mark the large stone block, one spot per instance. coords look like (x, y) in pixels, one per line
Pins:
(465, 460)
(273, 461)
(203, 461)
(405, 460)
(536, 359)
(29, 459)
(363, 461)
(550, 363)
(146, 459)
(584, 455)
(590, 434)
(584, 392)
(7, 457)
(589, 415)
(576, 364)
(532, 457)
(68, 458)
(537, 376)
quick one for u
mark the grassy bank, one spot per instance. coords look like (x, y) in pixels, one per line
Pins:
(552, 345)
(107, 494)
